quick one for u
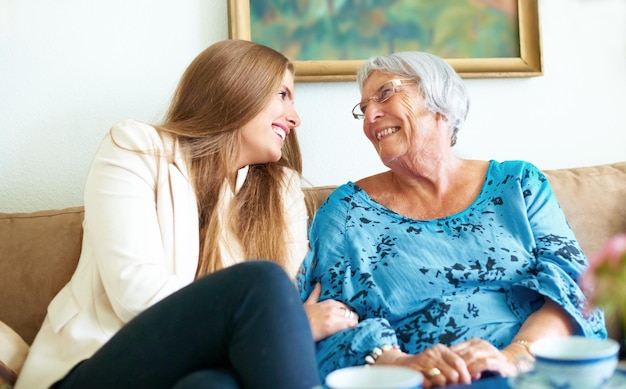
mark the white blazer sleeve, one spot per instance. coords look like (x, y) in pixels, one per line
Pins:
(130, 218)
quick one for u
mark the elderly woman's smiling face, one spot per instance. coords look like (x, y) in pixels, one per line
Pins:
(396, 120)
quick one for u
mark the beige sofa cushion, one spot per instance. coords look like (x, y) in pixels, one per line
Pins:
(39, 251)
(594, 201)
(315, 196)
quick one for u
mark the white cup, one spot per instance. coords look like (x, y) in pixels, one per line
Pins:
(575, 362)
(375, 377)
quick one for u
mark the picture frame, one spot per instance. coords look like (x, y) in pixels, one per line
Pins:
(527, 64)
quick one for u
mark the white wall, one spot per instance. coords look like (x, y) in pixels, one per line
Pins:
(71, 68)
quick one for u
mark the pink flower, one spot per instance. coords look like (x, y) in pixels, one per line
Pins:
(611, 254)
(604, 281)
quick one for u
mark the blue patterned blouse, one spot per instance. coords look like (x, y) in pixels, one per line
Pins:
(416, 283)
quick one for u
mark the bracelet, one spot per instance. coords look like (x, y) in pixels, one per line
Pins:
(377, 352)
(526, 344)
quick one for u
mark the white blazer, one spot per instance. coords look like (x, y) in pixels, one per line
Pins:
(133, 260)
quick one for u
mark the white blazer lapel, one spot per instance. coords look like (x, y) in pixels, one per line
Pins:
(181, 215)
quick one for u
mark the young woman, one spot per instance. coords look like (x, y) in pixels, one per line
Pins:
(167, 292)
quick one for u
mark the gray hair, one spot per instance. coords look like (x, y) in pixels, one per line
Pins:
(441, 87)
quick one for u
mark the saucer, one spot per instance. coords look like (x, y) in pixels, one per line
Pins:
(532, 380)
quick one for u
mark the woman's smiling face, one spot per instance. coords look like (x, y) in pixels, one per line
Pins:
(263, 136)
(399, 127)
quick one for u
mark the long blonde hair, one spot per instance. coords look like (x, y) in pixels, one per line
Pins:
(224, 87)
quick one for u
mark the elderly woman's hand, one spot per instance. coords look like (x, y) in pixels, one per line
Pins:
(481, 356)
(328, 317)
(439, 364)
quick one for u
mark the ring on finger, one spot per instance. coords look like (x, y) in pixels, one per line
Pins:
(433, 372)
(346, 312)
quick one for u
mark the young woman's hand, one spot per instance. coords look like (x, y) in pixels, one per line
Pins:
(329, 316)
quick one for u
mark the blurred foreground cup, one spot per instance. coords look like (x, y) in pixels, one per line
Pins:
(575, 362)
(375, 377)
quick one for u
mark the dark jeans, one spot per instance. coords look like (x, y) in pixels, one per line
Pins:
(243, 326)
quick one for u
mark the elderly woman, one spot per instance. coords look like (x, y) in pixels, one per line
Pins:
(453, 266)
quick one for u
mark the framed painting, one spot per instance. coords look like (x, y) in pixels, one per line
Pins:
(328, 40)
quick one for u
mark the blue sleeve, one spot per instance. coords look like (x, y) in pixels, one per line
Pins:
(326, 238)
(349, 347)
(560, 260)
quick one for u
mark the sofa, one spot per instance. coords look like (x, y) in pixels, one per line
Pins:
(39, 250)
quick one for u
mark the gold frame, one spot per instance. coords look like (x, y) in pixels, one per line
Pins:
(529, 64)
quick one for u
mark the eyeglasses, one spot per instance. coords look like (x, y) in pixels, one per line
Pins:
(383, 93)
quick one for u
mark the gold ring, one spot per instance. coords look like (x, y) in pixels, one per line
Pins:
(433, 372)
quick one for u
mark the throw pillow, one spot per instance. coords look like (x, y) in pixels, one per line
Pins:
(13, 350)
(7, 377)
